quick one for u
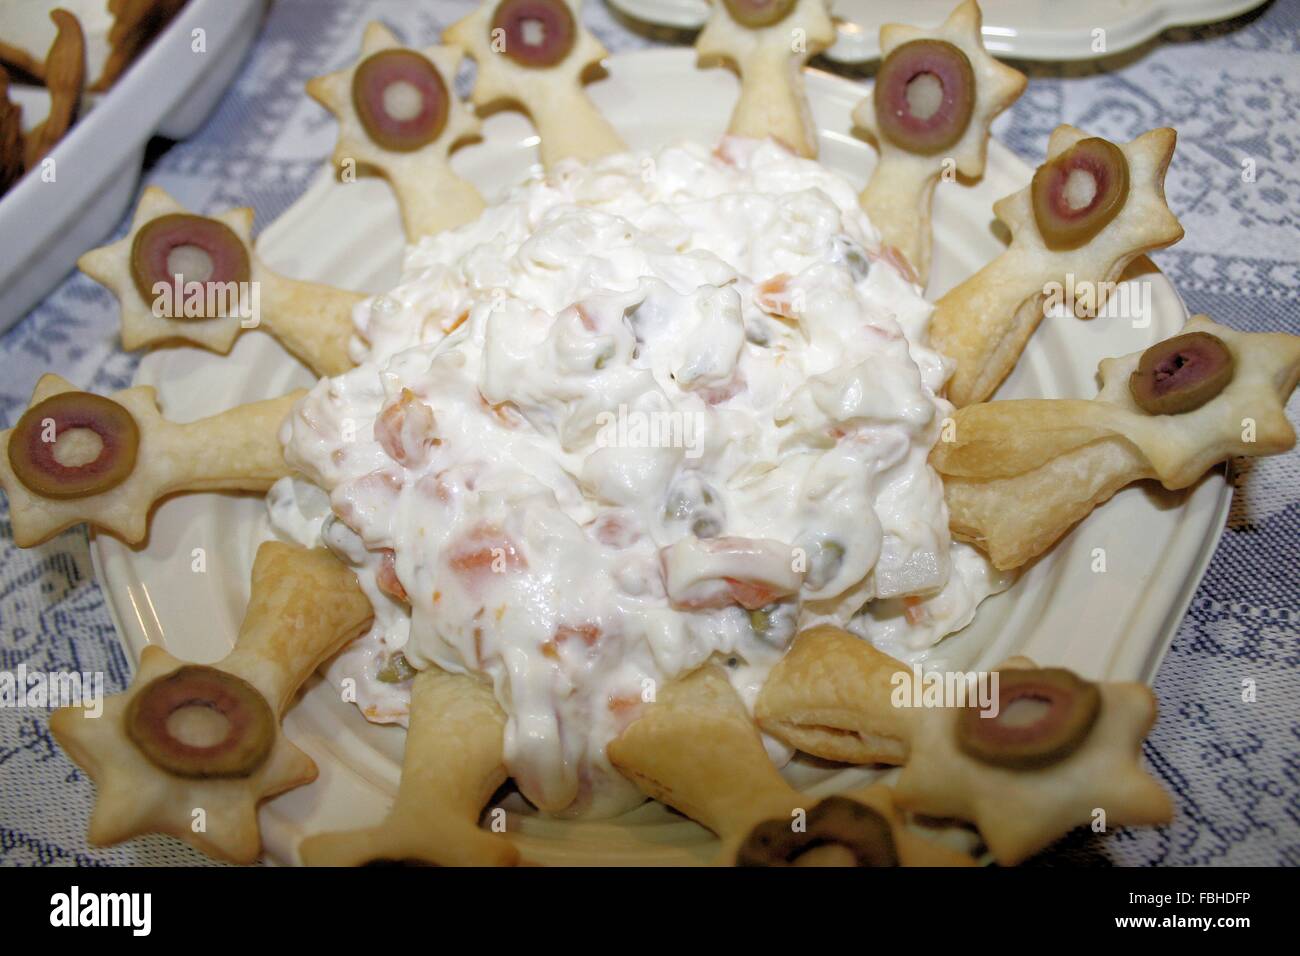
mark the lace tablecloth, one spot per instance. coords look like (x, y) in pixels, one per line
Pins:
(1231, 90)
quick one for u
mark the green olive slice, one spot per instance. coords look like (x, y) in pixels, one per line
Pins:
(198, 250)
(757, 14)
(401, 99)
(534, 33)
(1079, 192)
(250, 724)
(1062, 710)
(33, 445)
(924, 96)
(837, 829)
(1181, 374)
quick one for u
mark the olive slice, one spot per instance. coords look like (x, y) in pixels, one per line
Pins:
(401, 99)
(1069, 706)
(34, 439)
(1181, 374)
(757, 14)
(1076, 194)
(250, 728)
(534, 33)
(857, 833)
(196, 248)
(924, 95)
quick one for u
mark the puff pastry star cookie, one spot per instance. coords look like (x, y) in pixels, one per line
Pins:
(76, 457)
(452, 765)
(1060, 753)
(1019, 474)
(936, 95)
(533, 53)
(223, 287)
(768, 42)
(1091, 209)
(832, 696)
(696, 749)
(191, 750)
(398, 115)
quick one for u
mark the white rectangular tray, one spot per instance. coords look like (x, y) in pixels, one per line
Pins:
(169, 91)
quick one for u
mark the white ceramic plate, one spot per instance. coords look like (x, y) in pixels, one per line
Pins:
(1029, 29)
(168, 91)
(1113, 625)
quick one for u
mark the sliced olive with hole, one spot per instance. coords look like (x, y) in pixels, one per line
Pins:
(839, 832)
(1079, 192)
(1043, 716)
(534, 33)
(401, 99)
(74, 445)
(924, 96)
(1181, 374)
(249, 725)
(757, 14)
(195, 248)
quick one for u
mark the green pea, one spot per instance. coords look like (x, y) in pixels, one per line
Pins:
(397, 670)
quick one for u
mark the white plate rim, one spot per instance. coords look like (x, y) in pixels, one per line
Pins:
(860, 43)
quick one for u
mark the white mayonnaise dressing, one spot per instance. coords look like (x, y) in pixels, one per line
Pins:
(640, 413)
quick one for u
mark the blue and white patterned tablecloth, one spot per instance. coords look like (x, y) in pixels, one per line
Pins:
(1233, 92)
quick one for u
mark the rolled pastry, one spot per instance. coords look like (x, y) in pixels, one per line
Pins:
(155, 777)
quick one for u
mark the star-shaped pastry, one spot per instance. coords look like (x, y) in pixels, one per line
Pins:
(1247, 418)
(453, 763)
(533, 53)
(768, 42)
(305, 605)
(696, 749)
(1019, 474)
(399, 114)
(985, 322)
(953, 136)
(1020, 811)
(125, 456)
(226, 289)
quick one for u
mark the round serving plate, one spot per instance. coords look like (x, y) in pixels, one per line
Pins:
(1111, 624)
(1026, 29)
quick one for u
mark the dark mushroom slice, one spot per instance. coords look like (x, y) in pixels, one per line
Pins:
(839, 832)
(924, 96)
(1043, 716)
(250, 726)
(35, 441)
(1079, 192)
(534, 33)
(757, 14)
(401, 99)
(1181, 374)
(195, 248)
